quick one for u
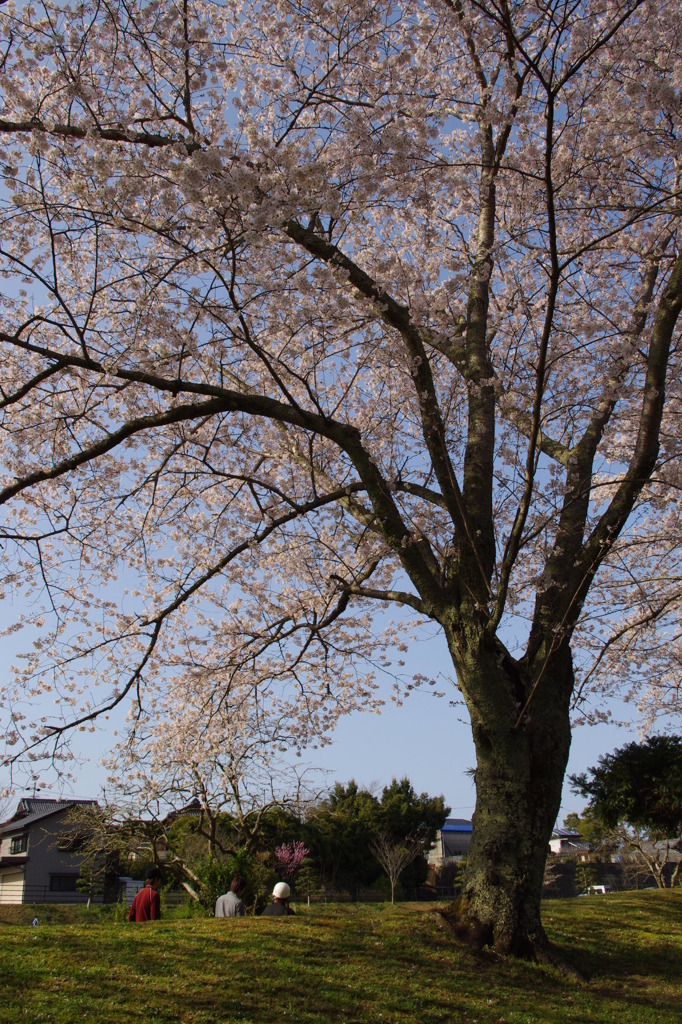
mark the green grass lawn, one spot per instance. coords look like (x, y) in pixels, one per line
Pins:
(357, 964)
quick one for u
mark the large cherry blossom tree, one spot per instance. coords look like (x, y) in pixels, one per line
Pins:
(313, 307)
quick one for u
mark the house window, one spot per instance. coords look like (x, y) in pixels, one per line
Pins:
(19, 844)
(63, 883)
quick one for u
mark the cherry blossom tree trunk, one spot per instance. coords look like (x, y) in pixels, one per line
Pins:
(520, 765)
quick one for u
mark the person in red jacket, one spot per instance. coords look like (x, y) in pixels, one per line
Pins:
(147, 904)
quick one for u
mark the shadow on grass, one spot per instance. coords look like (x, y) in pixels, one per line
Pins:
(350, 964)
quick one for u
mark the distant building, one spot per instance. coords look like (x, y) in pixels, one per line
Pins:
(566, 843)
(452, 843)
(37, 863)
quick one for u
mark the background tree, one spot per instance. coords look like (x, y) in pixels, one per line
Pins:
(637, 792)
(342, 831)
(551, 878)
(283, 824)
(223, 755)
(586, 875)
(659, 858)
(289, 858)
(587, 825)
(308, 882)
(394, 856)
(6, 804)
(339, 831)
(594, 830)
(407, 819)
(105, 857)
(213, 779)
(116, 839)
(309, 308)
(112, 842)
(639, 784)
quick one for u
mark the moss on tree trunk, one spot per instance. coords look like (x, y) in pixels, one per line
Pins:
(521, 762)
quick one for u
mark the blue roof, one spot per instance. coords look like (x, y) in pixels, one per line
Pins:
(457, 825)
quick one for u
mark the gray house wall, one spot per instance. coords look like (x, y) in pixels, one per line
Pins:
(43, 873)
(45, 859)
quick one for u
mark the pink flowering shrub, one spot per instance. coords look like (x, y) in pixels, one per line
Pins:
(290, 857)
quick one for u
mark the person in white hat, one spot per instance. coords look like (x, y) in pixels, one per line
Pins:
(280, 902)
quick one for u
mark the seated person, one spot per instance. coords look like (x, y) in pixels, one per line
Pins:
(147, 904)
(232, 904)
(280, 902)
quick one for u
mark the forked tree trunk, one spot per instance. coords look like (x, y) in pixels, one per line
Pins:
(519, 777)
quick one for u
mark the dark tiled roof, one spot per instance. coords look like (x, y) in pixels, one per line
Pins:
(38, 804)
(50, 807)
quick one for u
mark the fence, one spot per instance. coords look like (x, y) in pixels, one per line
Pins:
(422, 895)
(10, 894)
(328, 896)
(20, 893)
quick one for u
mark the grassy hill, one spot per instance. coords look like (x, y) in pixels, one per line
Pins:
(356, 964)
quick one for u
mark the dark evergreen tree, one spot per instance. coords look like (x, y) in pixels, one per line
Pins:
(639, 785)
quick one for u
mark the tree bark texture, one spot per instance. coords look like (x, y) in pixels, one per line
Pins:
(520, 768)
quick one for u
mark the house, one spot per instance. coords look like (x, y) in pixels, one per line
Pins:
(566, 843)
(452, 843)
(37, 862)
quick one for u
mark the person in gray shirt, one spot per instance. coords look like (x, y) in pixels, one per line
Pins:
(232, 904)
